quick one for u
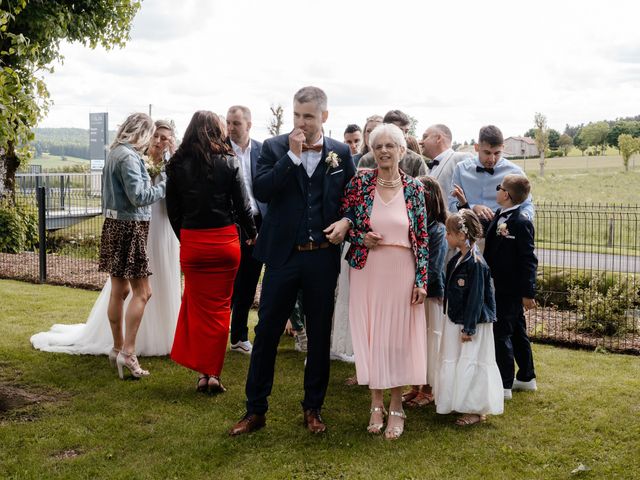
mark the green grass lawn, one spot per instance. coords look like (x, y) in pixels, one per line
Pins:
(587, 411)
(55, 161)
(579, 164)
(592, 186)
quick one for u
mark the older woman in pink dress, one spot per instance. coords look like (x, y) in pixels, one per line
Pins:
(388, 255)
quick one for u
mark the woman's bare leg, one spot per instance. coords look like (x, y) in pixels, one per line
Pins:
(119, 291)
(133, 316)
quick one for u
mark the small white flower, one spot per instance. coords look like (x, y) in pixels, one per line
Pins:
(332, 160)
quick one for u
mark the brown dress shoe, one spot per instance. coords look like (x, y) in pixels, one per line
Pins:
(249, 423)
(313, 421)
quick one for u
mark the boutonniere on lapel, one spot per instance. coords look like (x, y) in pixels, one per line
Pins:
(332, 160)
(503, 231)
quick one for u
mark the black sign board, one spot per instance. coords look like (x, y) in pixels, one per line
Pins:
(98, 139)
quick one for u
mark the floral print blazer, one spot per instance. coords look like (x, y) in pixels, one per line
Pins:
(358, 201)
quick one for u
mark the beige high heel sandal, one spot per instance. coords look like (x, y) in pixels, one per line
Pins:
(130, 361)
(394, 433)
(113, 354)
(376, 428)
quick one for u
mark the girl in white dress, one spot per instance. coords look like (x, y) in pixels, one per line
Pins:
(468, 380)
(155, 336)
(421, 395)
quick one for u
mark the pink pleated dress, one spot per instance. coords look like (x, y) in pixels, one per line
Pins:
(388, 333)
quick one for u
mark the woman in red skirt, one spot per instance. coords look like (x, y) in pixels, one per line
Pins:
(205, 198)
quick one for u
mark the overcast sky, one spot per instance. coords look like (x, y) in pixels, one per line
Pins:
(462, 63)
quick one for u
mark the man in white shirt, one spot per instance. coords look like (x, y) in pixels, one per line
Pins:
(436, 144)
(244, 288)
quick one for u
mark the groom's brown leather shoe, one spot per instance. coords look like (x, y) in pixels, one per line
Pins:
(313, 421)
(249, 423)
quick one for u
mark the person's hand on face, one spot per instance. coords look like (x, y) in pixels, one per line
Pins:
(296, 139)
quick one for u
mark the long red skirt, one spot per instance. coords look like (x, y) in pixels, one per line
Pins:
(209, 259)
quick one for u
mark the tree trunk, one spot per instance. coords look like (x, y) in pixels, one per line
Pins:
(9, 163)
(542, 164)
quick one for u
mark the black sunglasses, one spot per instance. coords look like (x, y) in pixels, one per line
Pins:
(500, 187)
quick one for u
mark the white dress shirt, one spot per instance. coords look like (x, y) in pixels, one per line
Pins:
(308, 159)
(245, 166)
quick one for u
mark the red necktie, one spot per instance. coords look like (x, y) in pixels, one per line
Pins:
(314, 148)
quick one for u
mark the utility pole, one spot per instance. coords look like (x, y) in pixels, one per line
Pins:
(150, 110)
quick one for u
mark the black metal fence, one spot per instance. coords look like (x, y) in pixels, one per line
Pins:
(589, 256)
(67, 209)
(588, 283)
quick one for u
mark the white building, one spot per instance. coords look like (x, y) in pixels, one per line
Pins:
(520, 147)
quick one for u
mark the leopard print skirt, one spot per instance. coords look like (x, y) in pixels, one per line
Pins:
(123, 248)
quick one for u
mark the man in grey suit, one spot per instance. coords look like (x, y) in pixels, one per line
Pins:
(412, 164)
(436, 144)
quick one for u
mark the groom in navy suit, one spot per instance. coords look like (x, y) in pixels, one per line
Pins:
(302, 177)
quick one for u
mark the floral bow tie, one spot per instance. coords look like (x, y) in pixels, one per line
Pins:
(488, 170)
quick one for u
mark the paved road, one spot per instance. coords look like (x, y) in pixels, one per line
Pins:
(56, 219)
(590, 261)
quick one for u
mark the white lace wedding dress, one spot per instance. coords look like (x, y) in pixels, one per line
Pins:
(155, 336)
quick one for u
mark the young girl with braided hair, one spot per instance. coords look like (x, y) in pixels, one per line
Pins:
(468, 380)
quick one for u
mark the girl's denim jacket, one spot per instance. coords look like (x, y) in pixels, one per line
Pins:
(437, 253)
(127, 191)
(469, 295)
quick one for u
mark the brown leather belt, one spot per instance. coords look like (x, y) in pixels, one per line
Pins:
(307, 247)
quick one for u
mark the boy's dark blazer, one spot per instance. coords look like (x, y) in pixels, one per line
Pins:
(279, 182)
(510, 255)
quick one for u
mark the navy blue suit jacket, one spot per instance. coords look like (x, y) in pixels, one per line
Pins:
(256, 147)
(510, 256)
(279, 182)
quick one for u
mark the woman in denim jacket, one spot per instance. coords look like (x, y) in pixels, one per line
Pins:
(468, 379)
(127, 193)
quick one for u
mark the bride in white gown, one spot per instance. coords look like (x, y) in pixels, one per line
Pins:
(155, 335)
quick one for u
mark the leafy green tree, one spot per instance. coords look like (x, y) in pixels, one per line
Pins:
(628, 145)
(565, 142)
(554, 138)
(595, 135)
(579, 142)
(541, 137)
(572, 131)
(630, 127)
(30, 36)
(531, 133)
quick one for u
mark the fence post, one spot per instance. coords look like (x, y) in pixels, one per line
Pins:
(611, 232)
(42, 233)
(62, 192)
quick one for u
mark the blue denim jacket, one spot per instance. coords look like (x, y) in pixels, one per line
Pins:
(469, 295)
(127, 191)
(437, 253)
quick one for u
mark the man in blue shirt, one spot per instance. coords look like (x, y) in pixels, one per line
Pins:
(474, 180)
